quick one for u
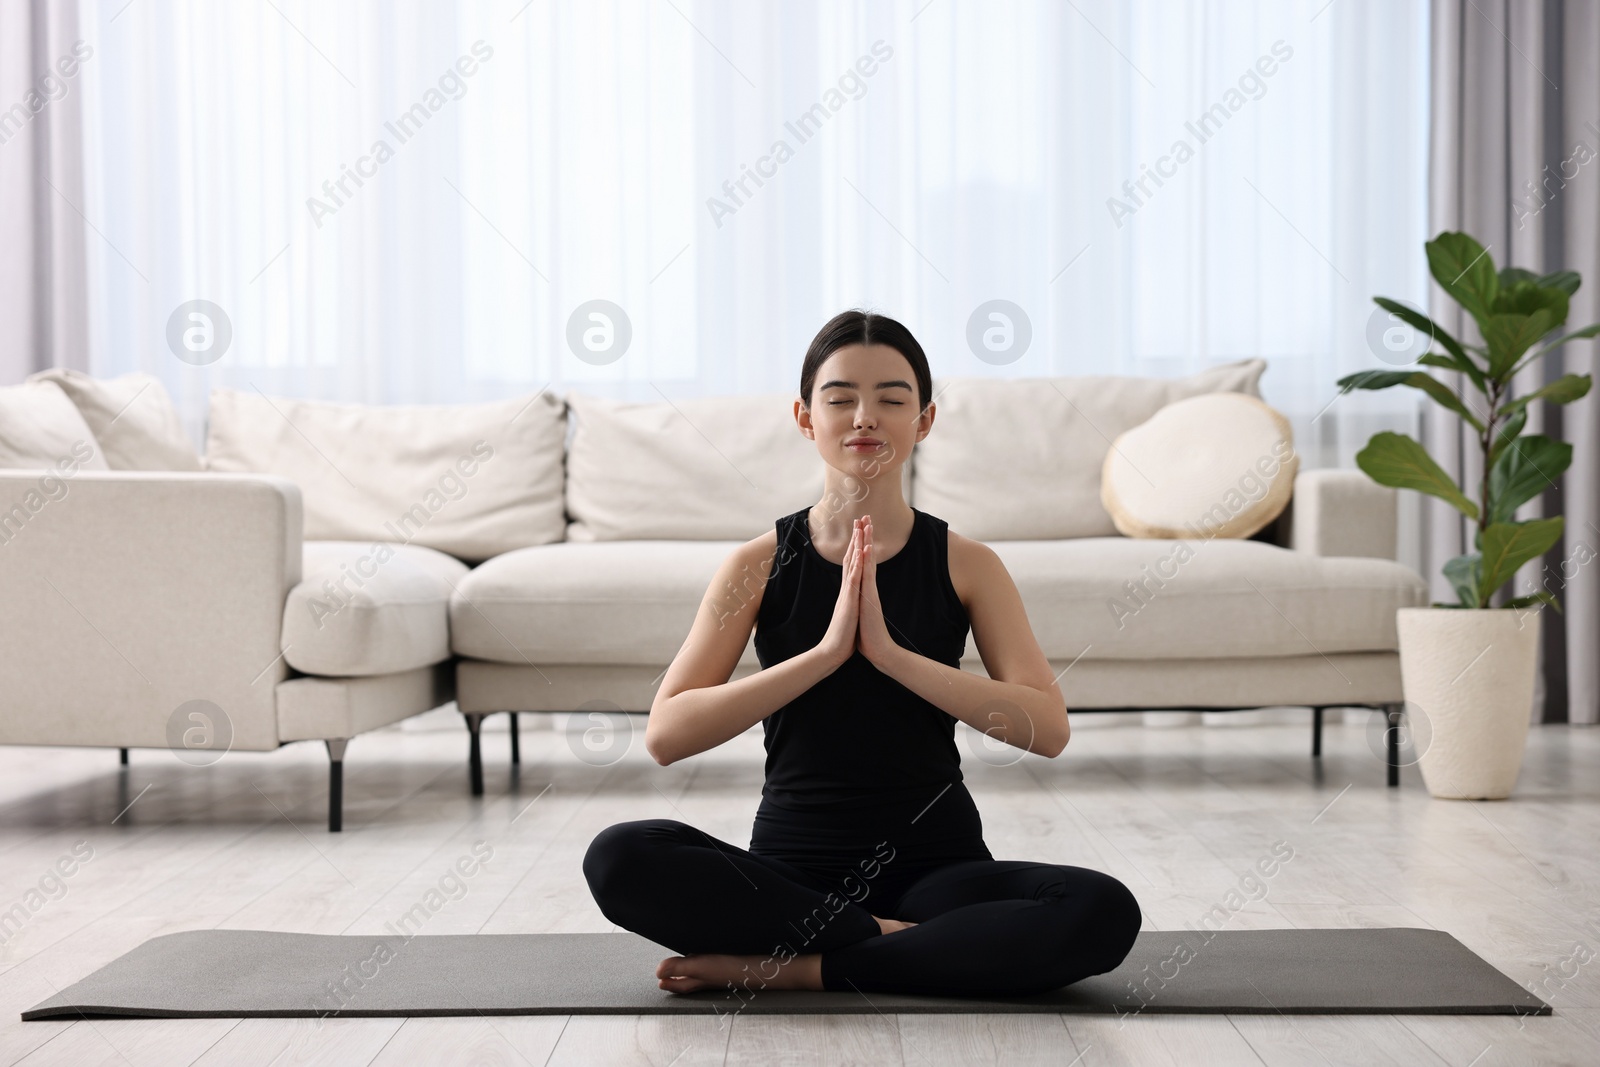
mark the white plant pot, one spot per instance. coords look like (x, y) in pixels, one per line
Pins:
(1468, 675)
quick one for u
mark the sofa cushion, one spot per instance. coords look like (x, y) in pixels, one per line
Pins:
(132, 417)
(473, 480)
(1133, 598)
(1020, 458)
(40, 427)
(578, 602)
(703, 469)
(1103, 597)
(1217, 465)
(366, 608)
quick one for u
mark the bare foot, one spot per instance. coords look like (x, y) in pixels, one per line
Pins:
(889, 926)
(707, 970)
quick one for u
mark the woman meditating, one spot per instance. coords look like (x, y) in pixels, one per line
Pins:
(867, 869)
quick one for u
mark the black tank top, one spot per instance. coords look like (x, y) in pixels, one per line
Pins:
(858, 736)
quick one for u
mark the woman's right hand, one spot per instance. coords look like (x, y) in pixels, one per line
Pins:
(844, 631)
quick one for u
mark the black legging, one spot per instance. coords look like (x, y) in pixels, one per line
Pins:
(986, 927)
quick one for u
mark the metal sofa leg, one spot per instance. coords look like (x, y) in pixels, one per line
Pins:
(1396, 716)
(124, 756)
(516, 746)
(1316, 733)
(475, 753)
(336, 784)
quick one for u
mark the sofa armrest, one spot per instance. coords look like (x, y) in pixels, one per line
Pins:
(129, 593)
(1343, 513)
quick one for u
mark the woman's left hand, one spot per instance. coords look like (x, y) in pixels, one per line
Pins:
(873, 632)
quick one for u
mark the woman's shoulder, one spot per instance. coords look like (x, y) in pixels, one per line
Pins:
(777, 544)
(774, 533)
(968, 560)
(957, 542)
(761, 548)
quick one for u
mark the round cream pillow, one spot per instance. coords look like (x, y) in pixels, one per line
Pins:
(1216, 465)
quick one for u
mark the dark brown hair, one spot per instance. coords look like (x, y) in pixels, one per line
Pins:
(858, 327)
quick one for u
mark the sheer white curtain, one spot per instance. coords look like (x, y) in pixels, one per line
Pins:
(731, 174)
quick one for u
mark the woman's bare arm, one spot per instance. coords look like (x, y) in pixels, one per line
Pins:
(694, 720)
(1020, 702)
(697, 708)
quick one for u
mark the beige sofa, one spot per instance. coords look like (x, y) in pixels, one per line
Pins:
(169, 608)
(337, 568)
(1302, 615)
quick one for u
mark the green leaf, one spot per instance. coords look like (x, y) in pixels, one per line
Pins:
(1511, 335)
(1383, 379)
(1442, 393)
(1522, 472)
(1463, 268)
(1373, 379)
(1510, 276)
(1507, 433)
(1470, 369)
(1423, 324)
(1525, 298)
(1398, 461)
(1575, 335)
(1565, 280)
(1533, 598)
(1564, 390)
(1508, 545)
(1462, 573)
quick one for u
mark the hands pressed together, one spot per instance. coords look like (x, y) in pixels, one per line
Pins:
(858, 624)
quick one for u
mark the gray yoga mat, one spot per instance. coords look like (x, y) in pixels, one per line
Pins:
(232, 973)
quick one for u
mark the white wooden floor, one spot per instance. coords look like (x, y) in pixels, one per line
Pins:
(1181, 815)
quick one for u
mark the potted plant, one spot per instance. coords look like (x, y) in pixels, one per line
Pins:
(1468, 669)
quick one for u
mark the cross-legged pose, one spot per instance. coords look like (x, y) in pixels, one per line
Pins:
(867, 868)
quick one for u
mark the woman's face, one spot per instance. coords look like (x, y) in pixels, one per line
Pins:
(865, 391)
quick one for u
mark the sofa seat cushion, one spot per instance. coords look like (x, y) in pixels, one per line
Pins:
(587, 602)
(365, 608)
(1102, 597)
(1133, 598)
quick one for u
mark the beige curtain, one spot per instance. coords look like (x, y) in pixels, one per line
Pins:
(1515, 162)
(43, 307)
